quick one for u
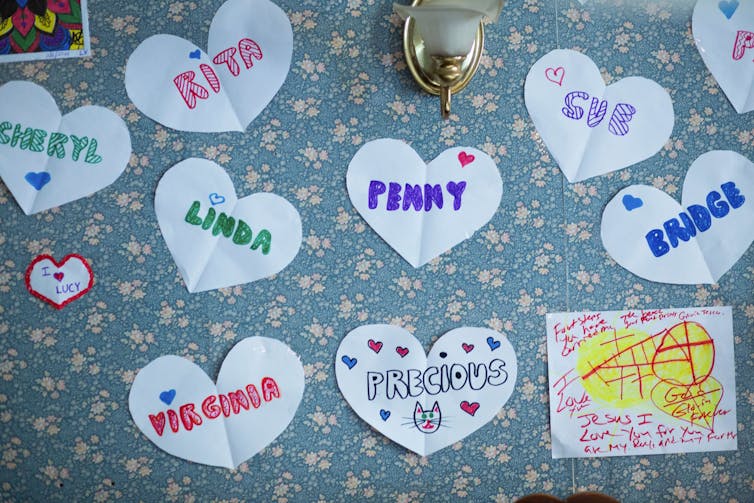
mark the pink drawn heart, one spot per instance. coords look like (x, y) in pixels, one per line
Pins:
(555, 75)
(374, 346)
(401, 351)
(465, 159)
(469, 408)
(467, 347)
(58, 276)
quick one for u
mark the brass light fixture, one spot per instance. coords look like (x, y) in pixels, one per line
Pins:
(443, 41)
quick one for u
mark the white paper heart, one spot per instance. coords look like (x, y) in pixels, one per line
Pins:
(59, 283)
(650, 234)
(180, 409)
(216, 239)
(435, 206)
(250, 47)
(591, 129)
(47, 159)
(421, 402)
(724, 35)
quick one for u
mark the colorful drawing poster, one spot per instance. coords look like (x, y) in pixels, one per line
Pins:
(43, 29)
(641, 382)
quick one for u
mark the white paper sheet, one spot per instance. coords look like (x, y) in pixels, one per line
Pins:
(650, 234)
(724, 35)
(59, 283)
(425, 403)
(591, 129)
(177, 84)
(47, 160)
(641, 382)
(423, 210)
(180, 409)
(216, 239)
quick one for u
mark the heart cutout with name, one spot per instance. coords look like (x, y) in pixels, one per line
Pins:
(258, 389)
(724, 35)
(433, 401)
(250, 48)
(690, 243)
(592, 129)
(44, 279)
(419, 209)
(48, 159)
(242, 241)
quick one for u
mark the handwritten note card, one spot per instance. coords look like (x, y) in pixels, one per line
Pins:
(724, 34)
(59, 283)
(425, 402)
(592, 129)
(177, 84)
(423, 210)
(216, 239)
(180, 409)
(47, 159)
(650, 234)
(641, 382)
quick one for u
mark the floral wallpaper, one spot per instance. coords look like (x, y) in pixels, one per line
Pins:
(65, 429)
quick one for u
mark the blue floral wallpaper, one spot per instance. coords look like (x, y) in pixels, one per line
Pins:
(65, 429)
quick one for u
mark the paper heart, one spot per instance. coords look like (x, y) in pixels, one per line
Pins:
(246, 240)
(46, 159)
(422, 210)
(258, 389)
(591, 129)
(250, 47)
(696, 404)
(691, 243)
(726, 44)
(44, 277)
(433, 400)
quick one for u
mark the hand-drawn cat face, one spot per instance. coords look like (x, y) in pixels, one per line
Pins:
(427, 421)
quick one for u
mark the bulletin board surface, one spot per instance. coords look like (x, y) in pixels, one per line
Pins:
(65, 428)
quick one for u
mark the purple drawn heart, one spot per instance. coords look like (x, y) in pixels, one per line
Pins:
(37, 180)
(728, 7)
(167, 396)
(631, 203)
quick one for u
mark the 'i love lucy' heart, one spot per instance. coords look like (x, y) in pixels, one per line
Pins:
(242, 240)
(724, 35)
(180, 409)
(419, 209)
(46, 159)
(589, 128)
(421, 402)
(250, 47)
(693, 242)
(59, 283)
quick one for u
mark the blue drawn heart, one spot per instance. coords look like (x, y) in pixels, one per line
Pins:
(728, 7)
(492, 343)
(384, 414)
(631, 203)
(197, 54)
(168, 396)
(37, 180)
(216, 198)
(350, 362)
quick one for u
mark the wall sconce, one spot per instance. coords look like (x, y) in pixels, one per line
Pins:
(443, 42)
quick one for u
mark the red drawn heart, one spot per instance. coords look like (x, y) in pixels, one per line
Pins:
(375, 346)
(401, 351)
(467, 347)
(469, 408)
(465, 159)
(58, 276)
(555, 75)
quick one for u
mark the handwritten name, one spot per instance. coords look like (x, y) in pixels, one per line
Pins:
(54, 144)
(695, 218)
(226, 225)
(619, 118)
(413, 195)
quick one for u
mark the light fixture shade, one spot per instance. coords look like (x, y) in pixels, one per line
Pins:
(448, 27)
